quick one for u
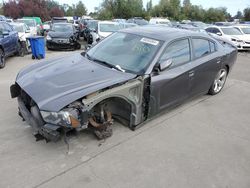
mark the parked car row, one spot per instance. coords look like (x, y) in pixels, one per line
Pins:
(239, 35)
(236, 34)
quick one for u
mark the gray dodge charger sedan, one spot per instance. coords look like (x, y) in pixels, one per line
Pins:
(129, 77)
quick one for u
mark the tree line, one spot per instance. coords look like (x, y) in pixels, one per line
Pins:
(109, 9)
(173, 9)
(45, 9)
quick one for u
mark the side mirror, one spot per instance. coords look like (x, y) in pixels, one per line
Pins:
(165, 64)
(219, 34)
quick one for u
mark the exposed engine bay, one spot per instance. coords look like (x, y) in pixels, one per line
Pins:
(126, 103)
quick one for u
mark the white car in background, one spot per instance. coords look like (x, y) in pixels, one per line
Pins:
(159, 21)
(244, 29)
(23, 34)
(31, 24)
(241, 41)
(102, 30)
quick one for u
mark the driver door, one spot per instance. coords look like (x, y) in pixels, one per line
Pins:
(172, 85)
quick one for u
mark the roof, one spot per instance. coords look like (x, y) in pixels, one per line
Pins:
(16, 23)
(220, 26)
(108, 22)
(242, 26)
(161, 33)
(62, 23)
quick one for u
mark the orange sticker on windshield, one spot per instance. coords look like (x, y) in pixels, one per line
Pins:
(150, 41)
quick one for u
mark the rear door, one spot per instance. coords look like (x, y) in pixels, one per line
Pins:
(206, 63)
(171, 86)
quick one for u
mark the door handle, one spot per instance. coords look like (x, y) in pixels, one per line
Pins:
(191, 73)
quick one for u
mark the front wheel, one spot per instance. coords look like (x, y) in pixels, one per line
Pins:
(2, 59)
(21, 48)
(78, 46)
(219, 81)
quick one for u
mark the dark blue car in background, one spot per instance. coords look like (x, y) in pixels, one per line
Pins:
(9, 44)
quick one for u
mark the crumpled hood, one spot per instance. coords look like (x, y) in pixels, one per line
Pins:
(60, 34)
(56, 83)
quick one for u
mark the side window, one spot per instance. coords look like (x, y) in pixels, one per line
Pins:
(212, 46)
(210, 30)
(7, 27)
(201, 47)
(216, 31)
(179, 51)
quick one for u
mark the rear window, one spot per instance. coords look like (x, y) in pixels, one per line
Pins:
(201, 47)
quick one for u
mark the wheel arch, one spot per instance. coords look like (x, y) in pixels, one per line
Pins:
(120, 107)
(228, 68)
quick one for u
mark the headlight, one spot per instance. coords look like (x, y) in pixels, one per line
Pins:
(48, 37)
(63, 118)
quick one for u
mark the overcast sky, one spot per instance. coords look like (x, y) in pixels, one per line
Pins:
(232, 5)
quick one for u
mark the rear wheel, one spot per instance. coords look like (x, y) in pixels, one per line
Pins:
(219, 81)
(2, 59)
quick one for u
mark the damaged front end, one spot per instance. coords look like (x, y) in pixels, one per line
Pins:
(94, 111)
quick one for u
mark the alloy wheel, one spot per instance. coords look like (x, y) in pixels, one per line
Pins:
(220, 80)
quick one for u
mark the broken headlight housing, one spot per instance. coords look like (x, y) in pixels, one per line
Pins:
(63, 118)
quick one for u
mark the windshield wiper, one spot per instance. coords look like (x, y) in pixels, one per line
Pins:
(117, 67)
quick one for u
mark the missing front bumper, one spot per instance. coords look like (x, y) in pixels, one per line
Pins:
(48, 132)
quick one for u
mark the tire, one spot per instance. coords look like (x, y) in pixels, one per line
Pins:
(90, 39)
(2, 59)
(219, 81)
(78, 46)
(21, 49)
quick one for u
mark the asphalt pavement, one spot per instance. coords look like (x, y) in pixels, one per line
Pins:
(203, 143)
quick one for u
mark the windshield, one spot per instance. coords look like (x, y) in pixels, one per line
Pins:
(246, 30)
(130, 52)
(30, 23)
(109, 27)
(62, 28)
(19, 28)
(231, 31)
